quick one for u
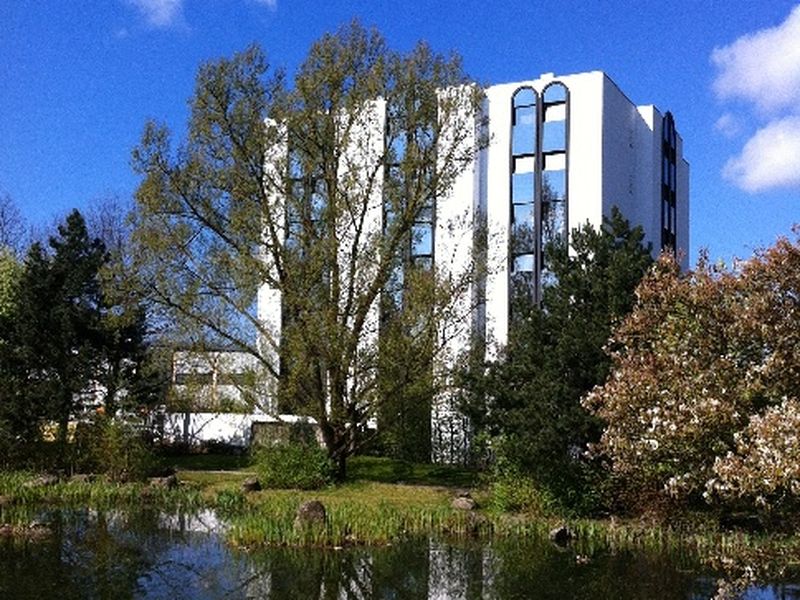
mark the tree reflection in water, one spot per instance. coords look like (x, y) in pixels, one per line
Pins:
(96, 554)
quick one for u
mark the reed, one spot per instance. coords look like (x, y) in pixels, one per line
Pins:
(16, 489)
(350, 523)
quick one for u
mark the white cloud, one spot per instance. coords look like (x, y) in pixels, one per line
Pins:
(160, 13)
(770, 159)
(728, 125)
(762, 67)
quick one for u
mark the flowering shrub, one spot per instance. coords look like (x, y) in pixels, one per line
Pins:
(696, 403)
(765, 468)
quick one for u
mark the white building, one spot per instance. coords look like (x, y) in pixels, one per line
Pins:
(562, 152)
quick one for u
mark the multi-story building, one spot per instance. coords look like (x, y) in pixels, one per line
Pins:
(561, 152)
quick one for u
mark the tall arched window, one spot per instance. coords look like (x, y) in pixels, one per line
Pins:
(555, 121)
(669, 142)
(539, 134)
(524, 142)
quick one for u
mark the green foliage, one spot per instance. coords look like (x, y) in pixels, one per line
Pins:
(113, 447)
(16, 487)
(528, 402)
(295, 462)
(702, 403)
(388, 470)
(367, 514)
(405, 366)
(10, 271)
(230, 502)
(514, 492)
(211, 219)
(63, 337)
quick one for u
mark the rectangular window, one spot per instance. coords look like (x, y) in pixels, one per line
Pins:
(524, 164)
(523, 263)
(523, 239)
(524, 141)
(554, 185)
(555, 112)
(522, 188)
(421, 240)
(554, 136)
(523, 214)
(553, 220)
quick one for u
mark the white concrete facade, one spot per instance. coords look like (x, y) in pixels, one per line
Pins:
(588, 149)
(612, 157)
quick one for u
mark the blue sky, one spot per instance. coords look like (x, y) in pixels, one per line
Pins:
(79, 79)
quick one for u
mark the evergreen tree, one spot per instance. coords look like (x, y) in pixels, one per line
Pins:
(69, 343)
(58, 330)
(528, 402)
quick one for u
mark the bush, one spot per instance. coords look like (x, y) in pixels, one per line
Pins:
(700, 406)
(293, 464)
(113, 447)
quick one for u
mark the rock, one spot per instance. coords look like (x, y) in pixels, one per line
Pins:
(36, 530)
(464, 502)
(167, 483)
(251, 484)
(83, 477)
(39, 532)
(41, 480)
(310, 513)
(561, 535)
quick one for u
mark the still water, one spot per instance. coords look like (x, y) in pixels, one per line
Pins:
(114, 554)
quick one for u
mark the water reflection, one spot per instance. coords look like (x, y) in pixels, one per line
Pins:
(112, 554)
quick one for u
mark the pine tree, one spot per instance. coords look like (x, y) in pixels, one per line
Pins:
(528, 402)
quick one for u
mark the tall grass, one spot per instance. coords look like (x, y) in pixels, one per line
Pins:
(349, 523)
(101, 493)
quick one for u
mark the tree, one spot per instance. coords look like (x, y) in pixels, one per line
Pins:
(11, 224)
(10, 269)
(702, 393)
(70, 343)
(528, 401)
(58, 330)
(131, 372)
(17, 422)
(285, 189)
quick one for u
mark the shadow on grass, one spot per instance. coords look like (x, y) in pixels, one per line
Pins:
(206, 462)
(387, 470)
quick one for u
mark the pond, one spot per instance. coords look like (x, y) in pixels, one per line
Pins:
(146, 554)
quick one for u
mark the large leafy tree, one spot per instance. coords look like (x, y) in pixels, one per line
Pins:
(16, 421)
(12, 227)
(703, 394)
(529, 400)
(285, 186)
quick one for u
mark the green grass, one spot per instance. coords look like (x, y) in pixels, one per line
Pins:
(358, 513)
(383, 500)
(98, 494)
